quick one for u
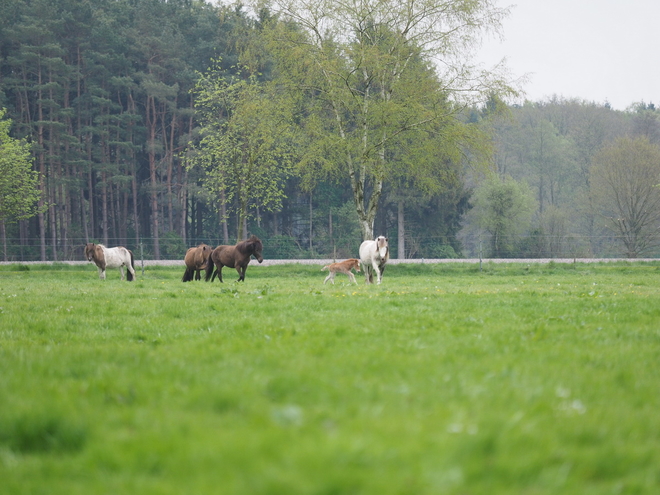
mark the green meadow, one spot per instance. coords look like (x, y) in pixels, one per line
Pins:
(518, 379)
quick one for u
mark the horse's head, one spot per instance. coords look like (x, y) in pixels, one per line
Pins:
(381, 246)
(356, 265)
(256, 247)
(90, 250)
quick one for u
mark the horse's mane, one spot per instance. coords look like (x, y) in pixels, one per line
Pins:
(242, 247)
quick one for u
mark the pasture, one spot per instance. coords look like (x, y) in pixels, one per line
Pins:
(539, 379)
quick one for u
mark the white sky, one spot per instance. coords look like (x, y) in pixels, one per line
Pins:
(595, 50)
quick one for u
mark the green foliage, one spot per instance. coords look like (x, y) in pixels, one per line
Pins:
(503, 207)
(19, 184)
(441, 252)
(444, 379)
(373, 101)
(102, 92)
(247, 144)
(346, 234)
(173, 246)
(285, 246)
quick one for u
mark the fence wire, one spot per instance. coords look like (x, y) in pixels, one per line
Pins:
(284, 247)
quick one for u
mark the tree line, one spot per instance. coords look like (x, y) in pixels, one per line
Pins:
(162, 124)
(572, 179)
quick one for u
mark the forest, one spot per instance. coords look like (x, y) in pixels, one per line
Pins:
(158, 125)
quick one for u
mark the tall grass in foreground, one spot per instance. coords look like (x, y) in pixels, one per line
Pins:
(442, 380)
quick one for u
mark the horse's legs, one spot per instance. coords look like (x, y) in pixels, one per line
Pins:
(198, 276)
(101, 273)
(241, 273)
(365, 270)
(378, 274)
(351, 277)
(121, 272)
(331, 277)
(131, 270)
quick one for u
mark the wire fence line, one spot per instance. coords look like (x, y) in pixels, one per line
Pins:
(417, 249)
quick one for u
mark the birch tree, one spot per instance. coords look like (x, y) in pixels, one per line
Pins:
(376, 69)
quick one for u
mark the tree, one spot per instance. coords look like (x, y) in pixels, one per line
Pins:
(624, 181)
(19, 184)
(371, 70)
(503, 207)
(247, 144)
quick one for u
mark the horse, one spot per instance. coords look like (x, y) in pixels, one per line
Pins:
(342, 267)
(115, 257)
(237, 256)
(195, 260)
(373, 256)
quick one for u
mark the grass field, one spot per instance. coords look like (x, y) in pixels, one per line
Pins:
(541, 379)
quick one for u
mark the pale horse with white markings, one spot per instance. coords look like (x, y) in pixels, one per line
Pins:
(373, 256)
(115, 257)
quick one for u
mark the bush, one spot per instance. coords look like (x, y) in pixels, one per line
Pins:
(282, 247)
(173, 246)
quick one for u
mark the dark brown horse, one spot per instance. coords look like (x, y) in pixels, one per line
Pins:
(196, 259)
(237, 256)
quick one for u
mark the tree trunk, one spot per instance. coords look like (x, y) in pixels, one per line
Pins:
(90, 187)
(104, 209)
(52, 169)
(223, 212)
(366, 216)
(401, 250)
(3, 233)
(42, 172)
(83, 210)
(184, 209)
(53, 227)
(151, 125)
(330, 233)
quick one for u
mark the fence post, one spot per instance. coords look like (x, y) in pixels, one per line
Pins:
(480, 248)
(142, 258)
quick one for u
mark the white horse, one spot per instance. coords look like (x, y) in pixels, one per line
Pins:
(373, 256)
(115, 257)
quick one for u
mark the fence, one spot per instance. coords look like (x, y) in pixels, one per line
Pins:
(173, 247)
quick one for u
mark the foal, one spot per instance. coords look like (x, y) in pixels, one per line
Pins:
(342, 267)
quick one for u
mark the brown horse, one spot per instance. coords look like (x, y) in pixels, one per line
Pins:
(196, 259)
(237, 256)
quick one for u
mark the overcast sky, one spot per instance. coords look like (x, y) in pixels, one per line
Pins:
(596, 50)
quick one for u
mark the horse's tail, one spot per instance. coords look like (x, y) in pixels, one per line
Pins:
(129, 274)
(209, 270)
(187, 275)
